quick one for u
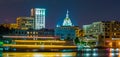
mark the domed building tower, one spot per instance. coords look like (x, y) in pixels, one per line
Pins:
(67, 31)
(67, 21)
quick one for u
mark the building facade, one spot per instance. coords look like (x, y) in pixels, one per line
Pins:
(41, 32)
(25, 23)
(66, 32)
(13, 26)
(10, 26)
(32, 33)
(39, 17)
(107, 32)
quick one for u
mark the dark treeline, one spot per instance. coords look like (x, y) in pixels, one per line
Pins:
(3, 30)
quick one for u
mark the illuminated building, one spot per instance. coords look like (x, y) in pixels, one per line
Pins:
(67, 30)
(68, 33)
(40, 43)
(5, 25)
(25, 23)
(67, 21)
(10, 26)
(19, 32)
(13, 26)
(39, 18)
(107, 32)
(41, 32)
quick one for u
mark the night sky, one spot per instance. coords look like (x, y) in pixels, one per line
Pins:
(81, 11)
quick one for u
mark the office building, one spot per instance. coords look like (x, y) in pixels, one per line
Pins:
(39, 17)
(25, 23)
(107, 32)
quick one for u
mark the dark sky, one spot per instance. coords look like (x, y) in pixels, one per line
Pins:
(81, 11)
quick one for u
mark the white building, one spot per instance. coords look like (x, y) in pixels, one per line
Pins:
(39, 17)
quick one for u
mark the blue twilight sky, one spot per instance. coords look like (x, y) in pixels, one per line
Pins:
(81, 11)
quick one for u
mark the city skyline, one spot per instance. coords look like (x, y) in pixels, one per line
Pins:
(82, 12)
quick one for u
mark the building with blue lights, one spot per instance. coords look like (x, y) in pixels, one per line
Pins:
(67, 21)
(39, 17)
(67, 30)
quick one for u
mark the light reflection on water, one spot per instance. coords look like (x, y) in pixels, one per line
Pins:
(39, 54)
(109, 52)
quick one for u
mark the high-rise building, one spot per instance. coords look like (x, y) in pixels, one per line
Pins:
(39, 17)
(107, 32)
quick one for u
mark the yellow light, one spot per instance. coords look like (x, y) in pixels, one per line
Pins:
(119, 43)
(110, 44)
(51, 41)
(39, 54)
(39, 46)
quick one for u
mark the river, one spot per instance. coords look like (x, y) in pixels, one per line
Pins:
(87, 52)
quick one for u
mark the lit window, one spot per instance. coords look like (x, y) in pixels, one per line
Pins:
(27, 32)
(36, 32)
(114, 33)
(33, 32)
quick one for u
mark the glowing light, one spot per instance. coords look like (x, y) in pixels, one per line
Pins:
(87, 54)
(29, 37)
(110, 44)
(66, 55)
(66, 50)
(39, 46)
(7, 55)
(117, 49)
(112, 49)
(88, 49)
(38, 55)
(112, 54)
(119, 43)
(95, 54)
(57, 55)
(95, 49)
(36, 41)
(1, 43)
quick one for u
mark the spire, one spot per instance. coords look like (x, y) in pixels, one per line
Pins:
(67, 14)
